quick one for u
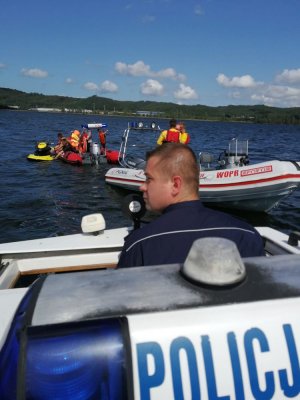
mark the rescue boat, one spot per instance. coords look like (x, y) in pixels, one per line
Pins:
(70, 157)
(229, 181)
(141, 126)
(97, 155)
(94, 155)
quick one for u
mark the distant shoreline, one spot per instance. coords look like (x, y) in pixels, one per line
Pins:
(134, 117)
(20, 101)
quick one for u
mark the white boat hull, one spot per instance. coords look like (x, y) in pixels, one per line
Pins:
(257, 187)
(59, 254)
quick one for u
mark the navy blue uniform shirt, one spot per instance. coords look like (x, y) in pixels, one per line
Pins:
(168, 239)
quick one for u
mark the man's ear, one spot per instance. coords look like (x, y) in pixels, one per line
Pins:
(177, 183)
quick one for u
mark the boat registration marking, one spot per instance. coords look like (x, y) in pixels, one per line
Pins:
(236, 172)
(259, 170)
(228, 173)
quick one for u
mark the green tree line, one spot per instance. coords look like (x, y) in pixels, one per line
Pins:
(10, 98)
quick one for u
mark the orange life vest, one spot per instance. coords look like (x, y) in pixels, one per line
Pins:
(74, 139)
(102, 138)
(83, 143)
(172, 137)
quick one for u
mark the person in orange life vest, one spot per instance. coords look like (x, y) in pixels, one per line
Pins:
(171, 135)
(184, 136)
(84, 141)
(102, 139)
(74, 140)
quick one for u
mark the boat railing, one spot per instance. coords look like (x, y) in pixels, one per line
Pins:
(236, 155)
(123, 147)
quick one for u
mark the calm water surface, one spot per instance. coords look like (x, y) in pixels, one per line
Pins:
(40, 199)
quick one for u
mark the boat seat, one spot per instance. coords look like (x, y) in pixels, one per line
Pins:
(205, 160)
(134, 162)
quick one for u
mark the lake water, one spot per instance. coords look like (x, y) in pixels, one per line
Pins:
(40, 199)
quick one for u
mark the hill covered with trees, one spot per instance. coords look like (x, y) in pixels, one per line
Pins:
(15, 99)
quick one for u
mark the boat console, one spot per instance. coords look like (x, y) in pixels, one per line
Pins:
(236, 155)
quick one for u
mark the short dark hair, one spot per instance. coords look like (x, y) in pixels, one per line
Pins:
(178, 159)
(173, 123)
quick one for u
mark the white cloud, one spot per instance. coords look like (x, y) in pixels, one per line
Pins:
(108, 87)
(152, 88)
(91, 86)
(2, 66)
(185, 93)
(276, 95)
(137, 69)
(289, 76)
(141, 69)
(170, 73)
(245, 81)
(104, 87)
(69, 81)
(34, 72)
(262, 93)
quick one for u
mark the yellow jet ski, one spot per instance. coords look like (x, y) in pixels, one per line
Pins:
(43, 152)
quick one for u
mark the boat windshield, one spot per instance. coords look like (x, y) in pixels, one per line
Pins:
(238, 147)
(134, 146)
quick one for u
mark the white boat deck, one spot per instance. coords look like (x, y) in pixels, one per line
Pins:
(107, 239)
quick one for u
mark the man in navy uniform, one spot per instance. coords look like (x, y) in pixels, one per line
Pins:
(172, 189)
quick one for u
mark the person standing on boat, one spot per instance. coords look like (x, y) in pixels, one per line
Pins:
(171, 188)
(102, 140)
(169, 135)
(74, 140)
(172, 135)
(184, 136)
(84, 143)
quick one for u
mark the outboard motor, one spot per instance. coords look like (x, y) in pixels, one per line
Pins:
(134, 207)
(96, 157)
(94, 153)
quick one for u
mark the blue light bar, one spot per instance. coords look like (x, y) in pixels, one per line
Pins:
(9, 354)
(84, 362)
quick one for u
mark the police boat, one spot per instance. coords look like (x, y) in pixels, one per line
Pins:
(217, 326)
(97, 247)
